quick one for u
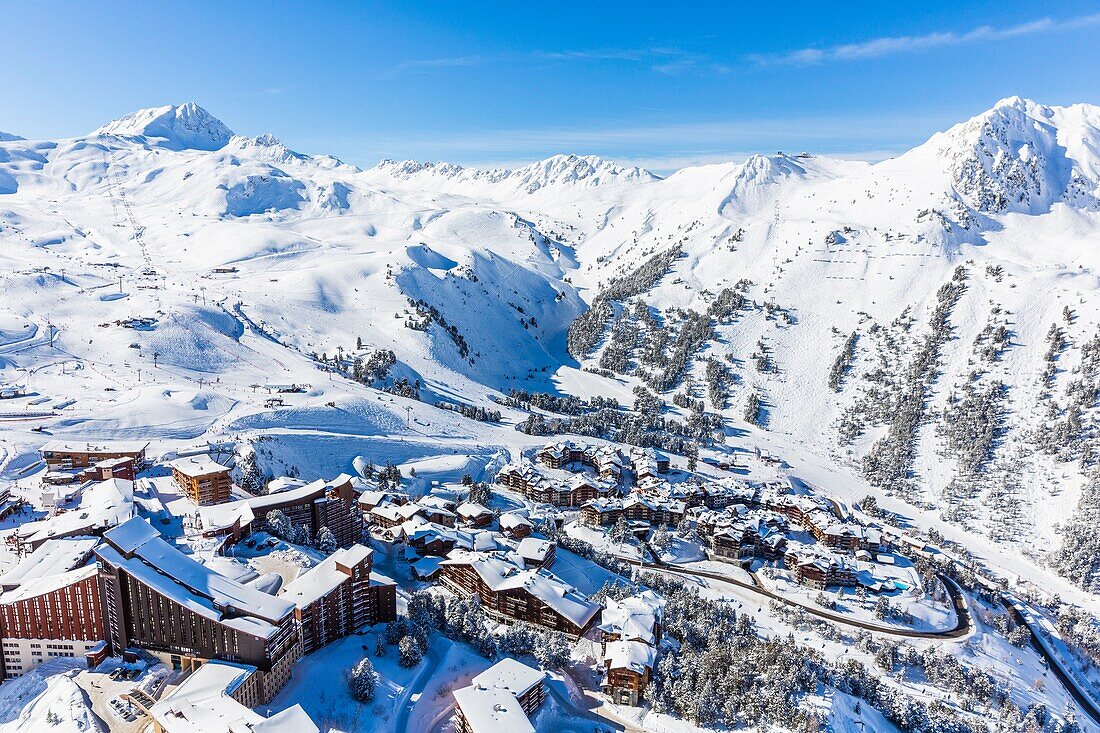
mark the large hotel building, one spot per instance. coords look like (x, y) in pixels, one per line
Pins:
(164, 602)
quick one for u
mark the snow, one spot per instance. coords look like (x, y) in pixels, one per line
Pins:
(511, 675)
(51, 558)
(185, 126)
(203, 704)
(325, 255)
(27, 702)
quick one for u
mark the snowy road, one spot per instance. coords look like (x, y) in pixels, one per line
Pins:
(962, 628)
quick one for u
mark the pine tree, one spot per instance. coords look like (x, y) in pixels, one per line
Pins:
(278, 524)
(362, 681)
(252, 478)
(552, 650)
(409, 651)
(620, 532)
(326, 541)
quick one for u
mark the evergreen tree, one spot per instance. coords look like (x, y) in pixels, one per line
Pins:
(409, 651)
(252, 478)
(326, 541)
(278, 524)
(362, 681)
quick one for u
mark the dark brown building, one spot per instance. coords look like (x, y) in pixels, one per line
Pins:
(124, 468)
(510, 593)
(339, 597)
(160, 600)
(70, 454)
(319, 504)
(628, 666)
(202, 479)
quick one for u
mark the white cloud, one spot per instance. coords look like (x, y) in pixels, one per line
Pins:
(889, 45)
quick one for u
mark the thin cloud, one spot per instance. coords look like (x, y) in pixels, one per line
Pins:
(663, 60)
(686, 143)
(890, 45)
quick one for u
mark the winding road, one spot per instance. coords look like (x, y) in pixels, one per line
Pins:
(962, 628)
(1084, 700)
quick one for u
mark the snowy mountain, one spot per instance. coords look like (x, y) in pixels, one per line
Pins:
(557, 171)
(186, 126)
(828, 293)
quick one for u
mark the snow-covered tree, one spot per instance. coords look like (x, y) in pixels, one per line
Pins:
(552, 650)
(362, 681)
(278, 524)
(326, 541)
(252, 478)
(410, 652)
(620, 531)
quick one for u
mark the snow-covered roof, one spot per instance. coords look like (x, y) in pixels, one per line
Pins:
(491, 710)
(532, 548)
(47, 584)
(203, 704)
(194, 466)
(326, 577)
(190, 583)
(131, 535)
(499, 573)
(635, 617)
(103, 504)
(472, 509)
(633, 655)
(51, 558)
(509, 674)
(511, 520)
(98, 446)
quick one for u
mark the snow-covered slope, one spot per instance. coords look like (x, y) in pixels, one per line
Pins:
(473, 277)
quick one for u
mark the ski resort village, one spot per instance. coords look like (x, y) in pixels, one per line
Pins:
(789, 444)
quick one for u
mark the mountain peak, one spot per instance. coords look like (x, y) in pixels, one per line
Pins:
(557, 170)
(184, 126)
(7, 137)
(1020, 156)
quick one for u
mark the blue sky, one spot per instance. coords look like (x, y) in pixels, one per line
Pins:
(657, 84)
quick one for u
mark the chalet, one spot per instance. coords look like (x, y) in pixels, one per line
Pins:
(537, 553)
(636, 618)
(501, 699)
(471, 514)
(628, 666)
(370, 499)
(648, 462)
(389, 516)
(514, 525)
(510, 593)
(818, 571)
(606, 461)
(530, 483)
(641, 508)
